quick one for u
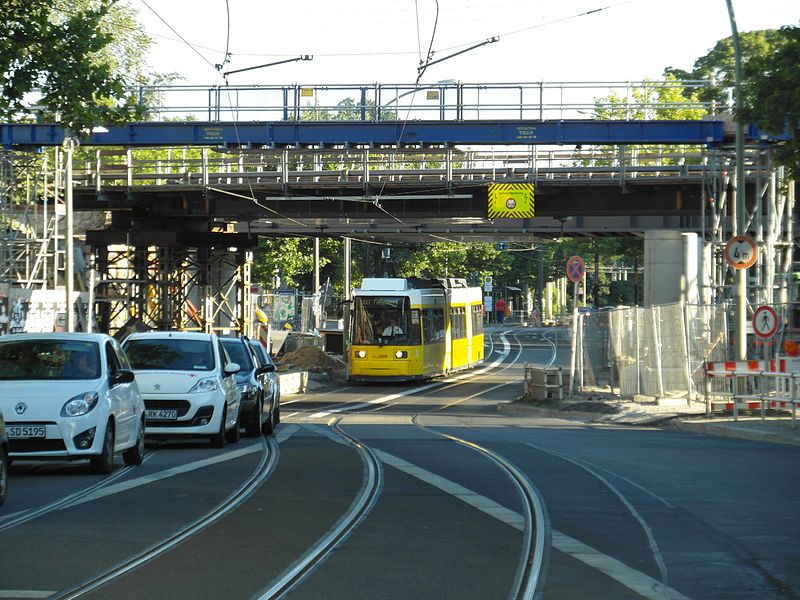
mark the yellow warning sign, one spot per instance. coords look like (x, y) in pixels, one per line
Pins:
(510, 201)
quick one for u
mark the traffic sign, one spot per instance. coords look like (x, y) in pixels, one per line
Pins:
(575, 269)
(740, 252)
(765, 322)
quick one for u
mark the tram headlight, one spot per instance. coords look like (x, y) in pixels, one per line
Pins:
(401, 354)
(361, 354)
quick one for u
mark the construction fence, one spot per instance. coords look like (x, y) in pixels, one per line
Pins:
(659, 351)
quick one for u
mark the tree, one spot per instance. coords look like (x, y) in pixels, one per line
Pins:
(718, 67)
(76, 60)
(771, 94)
(770, 72)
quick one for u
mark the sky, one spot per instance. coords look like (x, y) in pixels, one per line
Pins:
(383, 41)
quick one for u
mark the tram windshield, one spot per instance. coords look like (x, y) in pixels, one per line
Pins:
(384, 320)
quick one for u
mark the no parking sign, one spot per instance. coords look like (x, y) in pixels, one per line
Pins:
(575, 269)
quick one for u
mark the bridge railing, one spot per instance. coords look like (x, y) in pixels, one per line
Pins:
(202, 166)
(439, 101)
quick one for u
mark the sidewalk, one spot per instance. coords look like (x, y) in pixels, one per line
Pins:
(774, 428)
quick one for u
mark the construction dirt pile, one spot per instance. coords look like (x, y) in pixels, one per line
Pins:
(314, 360)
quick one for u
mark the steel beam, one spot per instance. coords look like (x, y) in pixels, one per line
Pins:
(393, 133)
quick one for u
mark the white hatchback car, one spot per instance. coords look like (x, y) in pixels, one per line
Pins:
(188, 384)
(70, 396)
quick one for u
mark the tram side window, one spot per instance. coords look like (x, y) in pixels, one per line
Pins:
(414, 329)
(458, 323)
(477, 319)
(433, 325)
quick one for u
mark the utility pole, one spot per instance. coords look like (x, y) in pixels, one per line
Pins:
(69, 234)
(741, 274)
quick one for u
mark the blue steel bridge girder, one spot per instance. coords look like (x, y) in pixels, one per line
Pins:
(394, 133)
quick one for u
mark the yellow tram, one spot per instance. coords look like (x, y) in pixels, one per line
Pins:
(404, 329)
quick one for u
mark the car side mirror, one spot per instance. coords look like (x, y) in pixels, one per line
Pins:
(121, 376)
(232, 368)
(265, 369)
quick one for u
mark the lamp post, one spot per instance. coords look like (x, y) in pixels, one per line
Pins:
(740, 225)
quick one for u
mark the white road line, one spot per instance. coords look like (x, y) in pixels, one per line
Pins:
(282, 435)
(640, 583)
(389, 398)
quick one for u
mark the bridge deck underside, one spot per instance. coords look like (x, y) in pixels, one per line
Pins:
(392, 210)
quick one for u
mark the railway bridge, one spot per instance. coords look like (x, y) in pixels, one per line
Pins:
(177, 205)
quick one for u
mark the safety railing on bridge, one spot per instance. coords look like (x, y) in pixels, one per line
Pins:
(203, 166)
(444, 100)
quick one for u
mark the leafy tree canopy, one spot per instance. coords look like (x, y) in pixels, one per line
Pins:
(71, 59)
(770, 73)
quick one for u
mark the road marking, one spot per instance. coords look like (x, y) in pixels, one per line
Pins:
(384, 399)
(282, 435)
(642, 584)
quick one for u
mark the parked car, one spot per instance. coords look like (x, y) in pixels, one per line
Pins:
(70, 396)
(3, 461)
(272, 384)
(188, 384)
(255, 386)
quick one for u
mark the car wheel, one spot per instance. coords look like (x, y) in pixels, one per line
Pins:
(254, 426)
(3, 475)
(103, 463)
(232, 435)
(218, 439)
(135, 455)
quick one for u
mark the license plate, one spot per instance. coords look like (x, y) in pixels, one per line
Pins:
(26, 431)
(162, 414)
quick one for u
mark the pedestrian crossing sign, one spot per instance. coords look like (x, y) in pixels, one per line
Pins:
(510, 201)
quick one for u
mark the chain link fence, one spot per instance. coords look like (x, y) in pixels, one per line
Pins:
(658, 351)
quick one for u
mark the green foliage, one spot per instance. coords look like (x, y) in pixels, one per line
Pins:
(718, 64)
(770, 75)
(653, 100)
(771, 97)
(81, 55)
(451, 259)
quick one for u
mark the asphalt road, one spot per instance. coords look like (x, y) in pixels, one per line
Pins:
(616, 513)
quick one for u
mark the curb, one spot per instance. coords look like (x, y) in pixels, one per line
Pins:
(733, 430)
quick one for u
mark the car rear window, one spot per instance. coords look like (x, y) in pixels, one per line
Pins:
(170, 354)
(49, 359)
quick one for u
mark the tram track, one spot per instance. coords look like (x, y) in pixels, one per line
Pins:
(266, 465)
(28, 515)
(362, 505)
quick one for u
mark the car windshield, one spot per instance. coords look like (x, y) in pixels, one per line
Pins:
(170, 354)
(238, 353)
(49, 359)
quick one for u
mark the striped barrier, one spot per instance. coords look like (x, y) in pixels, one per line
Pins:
(753, 385)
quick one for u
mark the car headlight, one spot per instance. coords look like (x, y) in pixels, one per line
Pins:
(204, 385)
(401, 354)
(361, 354)
(80, 404)
(246, 389)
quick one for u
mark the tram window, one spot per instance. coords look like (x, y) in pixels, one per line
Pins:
(373, 314)
(433, 325)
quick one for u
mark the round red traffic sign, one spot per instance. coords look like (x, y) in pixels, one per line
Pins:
(575, 269)
(765, 322)
(740, 252)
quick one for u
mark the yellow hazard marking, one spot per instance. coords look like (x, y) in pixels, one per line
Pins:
(510, 201)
